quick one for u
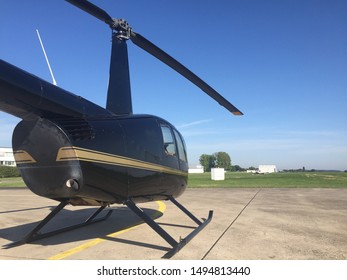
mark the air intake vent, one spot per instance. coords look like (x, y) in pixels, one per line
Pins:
(77, 129)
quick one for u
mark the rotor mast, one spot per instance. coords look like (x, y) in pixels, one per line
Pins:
(119, 91)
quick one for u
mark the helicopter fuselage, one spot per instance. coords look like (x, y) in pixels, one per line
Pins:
(101, 161)
(68, 147)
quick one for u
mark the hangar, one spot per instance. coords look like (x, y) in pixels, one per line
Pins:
(6, 157)
(267, 169)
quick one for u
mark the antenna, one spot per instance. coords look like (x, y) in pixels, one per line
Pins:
(44, 52)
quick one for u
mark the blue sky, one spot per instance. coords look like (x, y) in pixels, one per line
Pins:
(282, 63)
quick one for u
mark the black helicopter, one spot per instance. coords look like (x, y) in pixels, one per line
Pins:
(73, 151)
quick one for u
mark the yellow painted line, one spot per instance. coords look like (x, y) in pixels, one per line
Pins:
(63, 255)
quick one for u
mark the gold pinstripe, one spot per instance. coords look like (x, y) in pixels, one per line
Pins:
(77, 153)
(22, 156)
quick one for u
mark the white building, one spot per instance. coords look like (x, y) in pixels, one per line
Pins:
(267, 168)
(6, 157)
(198, 169)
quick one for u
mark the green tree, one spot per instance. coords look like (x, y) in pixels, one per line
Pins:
(223, 160)
(237, 168)
(207, 161)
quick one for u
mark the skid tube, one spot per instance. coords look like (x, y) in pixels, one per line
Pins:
(176, 246)
(36, 235)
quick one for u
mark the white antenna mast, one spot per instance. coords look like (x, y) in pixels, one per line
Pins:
(44, 52)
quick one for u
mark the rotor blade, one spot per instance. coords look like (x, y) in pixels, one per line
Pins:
(92, 9)
(143, 43)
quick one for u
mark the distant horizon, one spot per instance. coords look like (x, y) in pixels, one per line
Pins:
(283, 169)
(257, 166)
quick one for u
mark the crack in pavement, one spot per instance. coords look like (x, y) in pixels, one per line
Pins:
(229, 226)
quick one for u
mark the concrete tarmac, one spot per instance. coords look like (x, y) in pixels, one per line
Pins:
(248, 224)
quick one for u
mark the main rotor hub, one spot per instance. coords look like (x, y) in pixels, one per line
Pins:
(122, 27)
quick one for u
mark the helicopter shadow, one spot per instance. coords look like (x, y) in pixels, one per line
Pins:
(120, 219)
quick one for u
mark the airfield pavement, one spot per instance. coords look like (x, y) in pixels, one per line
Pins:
(248, 224)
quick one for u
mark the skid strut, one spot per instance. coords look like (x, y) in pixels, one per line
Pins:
(176, 246)
(36, 235)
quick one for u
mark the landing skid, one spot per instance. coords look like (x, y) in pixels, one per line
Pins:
(176, 246)
(36, 235)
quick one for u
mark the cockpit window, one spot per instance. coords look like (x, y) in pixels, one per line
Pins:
(169, 141)
(181, 147)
